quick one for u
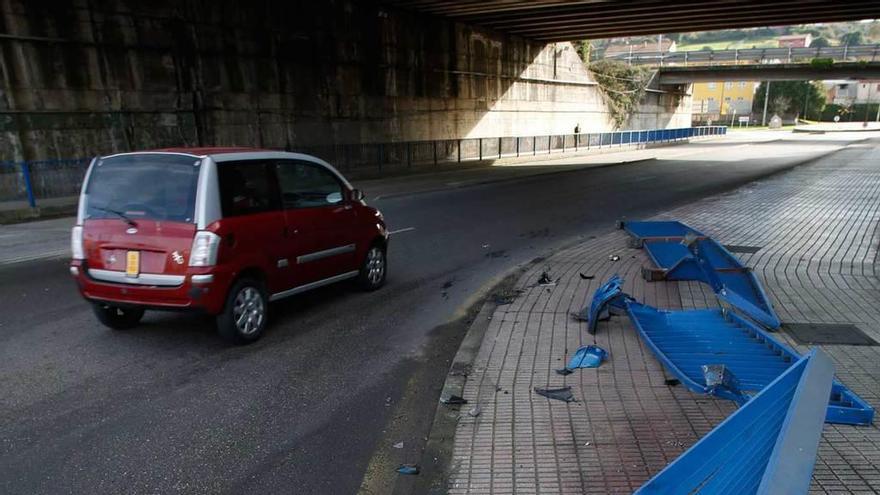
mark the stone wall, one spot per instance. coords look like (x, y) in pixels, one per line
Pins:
(83, 77)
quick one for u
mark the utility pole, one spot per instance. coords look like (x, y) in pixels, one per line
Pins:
(766, 100)
(806, 103)
(660, 48)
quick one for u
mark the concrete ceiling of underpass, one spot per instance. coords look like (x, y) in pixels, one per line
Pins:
(550, 20)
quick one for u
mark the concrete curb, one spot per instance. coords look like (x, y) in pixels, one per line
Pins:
(437, 454)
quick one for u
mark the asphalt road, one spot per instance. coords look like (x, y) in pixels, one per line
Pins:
(341, 375)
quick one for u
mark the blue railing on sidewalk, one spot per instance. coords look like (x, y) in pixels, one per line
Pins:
(45, 179)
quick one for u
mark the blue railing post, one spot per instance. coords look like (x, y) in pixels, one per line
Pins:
(28, 185)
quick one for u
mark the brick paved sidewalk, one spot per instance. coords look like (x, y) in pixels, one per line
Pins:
(817, 229)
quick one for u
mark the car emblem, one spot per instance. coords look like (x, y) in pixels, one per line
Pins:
(177, 257)
(112, 259)
(131, 230)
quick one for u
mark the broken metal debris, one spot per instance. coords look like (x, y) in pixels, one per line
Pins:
(614, 257)
(562, 393)
(768, 446)
(719, 377)
(475, 411)
(564, 371)
(686, 340)
(398, 445)
(586, 277)
(680, 252)
(408, 469)
(545, 279)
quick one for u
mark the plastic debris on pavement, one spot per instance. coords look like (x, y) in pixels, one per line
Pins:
(562, 393)
(408, 469)
(475, 411)
(590, 356)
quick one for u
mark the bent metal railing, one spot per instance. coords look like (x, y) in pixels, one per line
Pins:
(45, 179)
(788, 55)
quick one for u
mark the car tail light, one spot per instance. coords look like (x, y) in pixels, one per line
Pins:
(76, 243)
(204, 249)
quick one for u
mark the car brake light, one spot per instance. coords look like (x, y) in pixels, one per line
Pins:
(76, 243)
(204, 249)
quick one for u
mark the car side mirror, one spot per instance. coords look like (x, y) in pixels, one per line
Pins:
(357, 195)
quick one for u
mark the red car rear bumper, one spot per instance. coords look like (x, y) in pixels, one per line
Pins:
(206, 297)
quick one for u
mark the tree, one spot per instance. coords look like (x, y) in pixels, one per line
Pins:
(779, 104)
(801, 95)
(820, 42)
(874, 32)
(852, 38)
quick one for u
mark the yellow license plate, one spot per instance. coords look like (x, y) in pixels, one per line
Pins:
(132, 263)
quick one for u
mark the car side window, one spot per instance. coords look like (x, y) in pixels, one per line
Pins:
(246, 187)
(307, 185)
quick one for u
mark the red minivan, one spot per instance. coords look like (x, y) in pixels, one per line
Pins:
(219, 230)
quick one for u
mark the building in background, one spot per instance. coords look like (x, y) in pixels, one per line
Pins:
(795, 40)
(722, 101)
(845, 92)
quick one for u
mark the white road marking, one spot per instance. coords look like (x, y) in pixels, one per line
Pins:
(400, 231)
(33, 257)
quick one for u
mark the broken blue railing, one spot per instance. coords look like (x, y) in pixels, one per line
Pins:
(607, 297)
(686, 342)
(683, 253)
(766, 447)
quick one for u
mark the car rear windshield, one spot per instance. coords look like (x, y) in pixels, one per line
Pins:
(147, 186)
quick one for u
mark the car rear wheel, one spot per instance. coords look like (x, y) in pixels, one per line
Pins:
(374, 268)
(244, 317)
(117, 318)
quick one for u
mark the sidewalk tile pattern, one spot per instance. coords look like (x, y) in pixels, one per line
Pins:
(817, 229)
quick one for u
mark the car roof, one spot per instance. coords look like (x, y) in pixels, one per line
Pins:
(222, 154)
(207, 150)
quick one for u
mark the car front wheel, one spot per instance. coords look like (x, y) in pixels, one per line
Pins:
(375, 267)
(117, 318)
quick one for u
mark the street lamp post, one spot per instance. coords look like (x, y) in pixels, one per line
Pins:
(766, 100)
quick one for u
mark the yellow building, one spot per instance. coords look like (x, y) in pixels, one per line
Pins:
(712, 100)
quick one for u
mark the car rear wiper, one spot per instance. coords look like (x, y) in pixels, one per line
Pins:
(118, 213)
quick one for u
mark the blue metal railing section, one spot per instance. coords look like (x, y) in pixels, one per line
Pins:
(45, 179)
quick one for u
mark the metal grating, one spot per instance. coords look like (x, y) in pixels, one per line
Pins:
(828, 334)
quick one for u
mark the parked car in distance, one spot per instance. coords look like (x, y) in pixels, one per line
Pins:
(219, 230)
